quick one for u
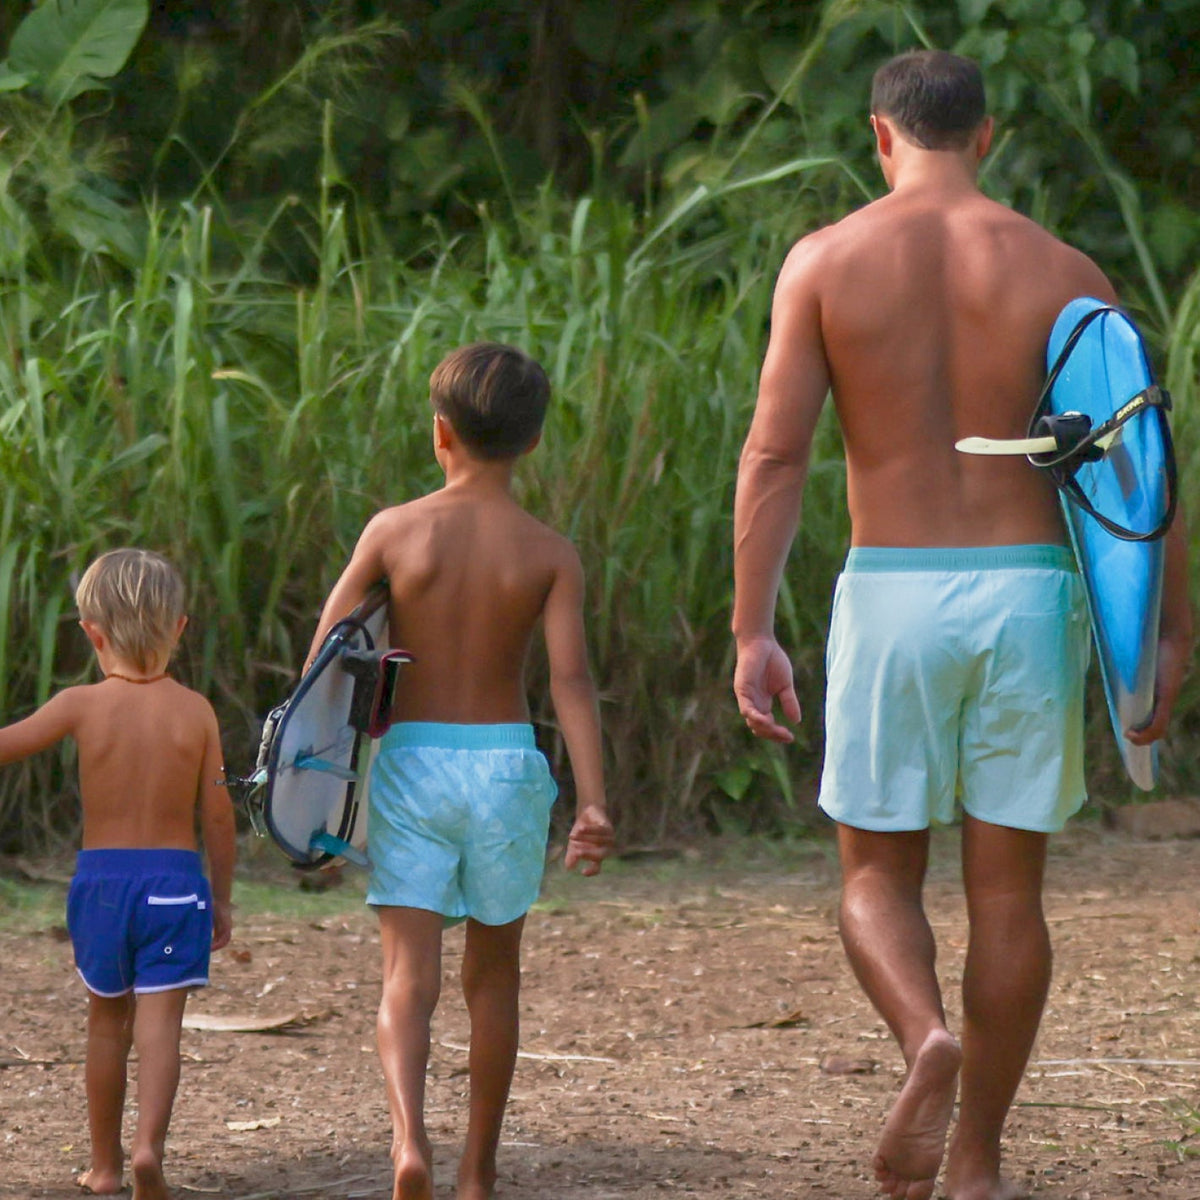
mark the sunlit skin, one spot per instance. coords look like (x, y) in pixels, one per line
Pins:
(926, 316)
(150, 764)
(471, 576)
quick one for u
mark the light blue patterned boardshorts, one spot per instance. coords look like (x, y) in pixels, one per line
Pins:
(459, 819)
(956, 673)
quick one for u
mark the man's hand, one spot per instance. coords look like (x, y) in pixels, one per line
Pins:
(763, 673)
(1173, 661)
(590, 840)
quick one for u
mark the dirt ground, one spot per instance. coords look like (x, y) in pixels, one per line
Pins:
(689, 1027)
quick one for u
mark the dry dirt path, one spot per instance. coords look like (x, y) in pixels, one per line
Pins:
(652, 1066)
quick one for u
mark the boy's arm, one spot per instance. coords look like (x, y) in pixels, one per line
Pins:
(574, 697)
(217, 830)
(365, 568)
(51, 723)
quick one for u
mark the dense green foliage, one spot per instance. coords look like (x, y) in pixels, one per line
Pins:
(232, 248)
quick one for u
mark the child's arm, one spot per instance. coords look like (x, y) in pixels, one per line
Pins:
(574, 697)
(217, 830)
(365, 568)
(51, 723)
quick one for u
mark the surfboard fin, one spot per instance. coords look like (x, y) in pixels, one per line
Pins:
(313, 762)
(329, 843)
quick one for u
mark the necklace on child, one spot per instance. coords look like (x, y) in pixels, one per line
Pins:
(130, 678)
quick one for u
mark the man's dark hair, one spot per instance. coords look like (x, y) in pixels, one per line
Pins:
(935, 98)
(494, 397)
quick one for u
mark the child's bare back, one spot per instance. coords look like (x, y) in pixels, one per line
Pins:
(470, 574)
(145, 752)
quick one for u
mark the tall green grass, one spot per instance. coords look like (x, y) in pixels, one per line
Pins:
(201, 402)
(248, 428)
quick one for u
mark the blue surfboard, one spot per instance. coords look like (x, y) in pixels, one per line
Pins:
(1117, 503)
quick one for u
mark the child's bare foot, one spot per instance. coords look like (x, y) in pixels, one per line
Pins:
(914, 1136)
(148, 1181)
(471, 1187)
(414, 1173)
(97, 1182)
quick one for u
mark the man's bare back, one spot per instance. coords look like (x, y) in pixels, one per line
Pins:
(933, 309)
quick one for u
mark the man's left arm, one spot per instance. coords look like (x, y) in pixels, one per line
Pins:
(770, 486)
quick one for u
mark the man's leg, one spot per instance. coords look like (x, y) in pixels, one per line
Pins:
(892, 950)
(411, 939)
(491, 978)
(1005, 983)
(109, 1037)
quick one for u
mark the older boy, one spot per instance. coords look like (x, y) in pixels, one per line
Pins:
(141, 915)
(958, 643)
(460, 796)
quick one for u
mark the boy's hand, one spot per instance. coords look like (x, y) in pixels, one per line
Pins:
(222, 924)
(590, 840)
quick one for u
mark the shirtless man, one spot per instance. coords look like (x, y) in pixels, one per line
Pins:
(958, 644)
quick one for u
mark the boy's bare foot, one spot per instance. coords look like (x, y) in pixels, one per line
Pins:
(914, 1136)
(148, 1181)
(414, 1173)
(95, 1182)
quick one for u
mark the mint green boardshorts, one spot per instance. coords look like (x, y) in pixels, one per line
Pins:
(459, 818)
(956, 673)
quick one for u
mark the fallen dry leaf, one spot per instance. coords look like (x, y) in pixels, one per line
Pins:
(835, 1064)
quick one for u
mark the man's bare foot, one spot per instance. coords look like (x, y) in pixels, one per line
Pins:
(963, 1182)
(95, 1182)
(914, 1136)
(414, 1173)
(993, 1189)
(148, 1181)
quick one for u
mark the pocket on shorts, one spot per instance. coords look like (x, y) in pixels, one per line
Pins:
(167, 900)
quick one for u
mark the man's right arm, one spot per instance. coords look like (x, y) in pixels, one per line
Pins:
(770, 486)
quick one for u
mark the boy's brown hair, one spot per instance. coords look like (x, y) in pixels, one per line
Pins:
(936, 98)
(494, 397)
(136, 597)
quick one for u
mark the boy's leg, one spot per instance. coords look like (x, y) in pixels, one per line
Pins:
(156, 1026)
(891, 948)
(1005, 984)
(412, 978)
(491, 979)
(109, 1037)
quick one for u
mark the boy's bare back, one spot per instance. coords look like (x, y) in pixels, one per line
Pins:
(149, 758)
(471, 574)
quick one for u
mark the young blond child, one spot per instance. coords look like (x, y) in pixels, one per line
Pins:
(460, 796)
(141, 915)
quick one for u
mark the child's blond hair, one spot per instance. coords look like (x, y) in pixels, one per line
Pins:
(137, 598)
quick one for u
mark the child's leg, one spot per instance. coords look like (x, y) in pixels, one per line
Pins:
(156, 1027)
(491, 977)
(412, 978)
(109, 1036)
